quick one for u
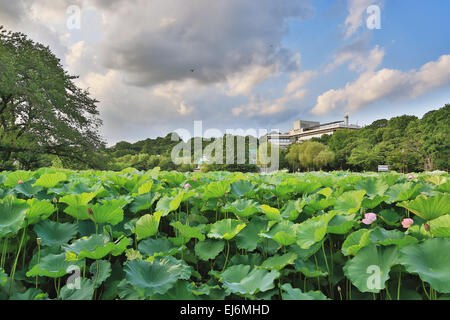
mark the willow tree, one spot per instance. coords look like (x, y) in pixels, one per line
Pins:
(41, 109)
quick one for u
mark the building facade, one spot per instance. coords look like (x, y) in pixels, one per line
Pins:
(306, 130)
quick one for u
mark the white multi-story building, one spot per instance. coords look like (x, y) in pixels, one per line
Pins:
(306, 130)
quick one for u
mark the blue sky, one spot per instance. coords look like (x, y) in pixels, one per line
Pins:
(257, 64)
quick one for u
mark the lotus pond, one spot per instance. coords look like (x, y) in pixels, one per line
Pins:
(88, 235)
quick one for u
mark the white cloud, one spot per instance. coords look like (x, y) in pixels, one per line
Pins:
(358, 59)
(242, 83)
(354, 20)
(372, 86)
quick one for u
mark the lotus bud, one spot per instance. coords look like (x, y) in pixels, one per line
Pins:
(195, 179)
(187, 185)
(339, 288)
(411, 176)
(38, 241)
(55, 200)
(427, 226)
(20, 181)
(90, 210)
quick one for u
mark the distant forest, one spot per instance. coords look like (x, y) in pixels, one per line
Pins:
(405, 143)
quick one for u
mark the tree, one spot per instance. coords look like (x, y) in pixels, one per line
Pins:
(41, 109)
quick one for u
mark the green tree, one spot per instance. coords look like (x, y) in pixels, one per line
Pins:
(41, 109)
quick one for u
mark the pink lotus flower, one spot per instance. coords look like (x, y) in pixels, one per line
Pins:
(187, 185)
(370, 217)
(195, 179)
(406, 223)
(410, 176)
(20, 181)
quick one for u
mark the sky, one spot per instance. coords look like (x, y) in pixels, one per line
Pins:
(157, 66)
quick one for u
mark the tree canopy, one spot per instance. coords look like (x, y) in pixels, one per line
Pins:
(42, 111)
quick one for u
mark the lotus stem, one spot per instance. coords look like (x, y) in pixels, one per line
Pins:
(226, 258)
(398, 286)
(425, 290)
(13, 271)
(4, 250)
(39, 259)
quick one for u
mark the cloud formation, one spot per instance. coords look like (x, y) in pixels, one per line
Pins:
(386, 83)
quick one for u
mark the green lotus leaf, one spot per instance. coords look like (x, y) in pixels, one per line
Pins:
(313, 230)
(241, 280)
(27, 188)
(13, 178)
(304, 254)
(100, 270)
(145, 188)
(188, 232)
(242, 188)
(226, 229)
(292, 209)
(350, 201)
(49, 180)
(440, 227)
(390, 217)
(297, 294)
(54, 234)
(283, 232)
(429, 208)
(157, 247)
(430, 260)
(372, 203)
(391, 237)
(403, 191)
(182, 290)
(209, 249)
(309, 269)
(12, 215)
(84, 292)
(133, 254)
(317, 203)
(167, 204)
(271, 213)
(252, 259)
(95, 247)
(341, 224)
(52, 266)
(355, 241)
(278, 262)
(445, 187)
(120, 247)
(306, 187)
(143, 201)
(249, 238)
(78, 205)
(156, 277)
(39, 210)
(109, 211)
(147, 225)
(216, 190)
(30, 294)
(242, 208)
(369, 269)
(373, 186)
